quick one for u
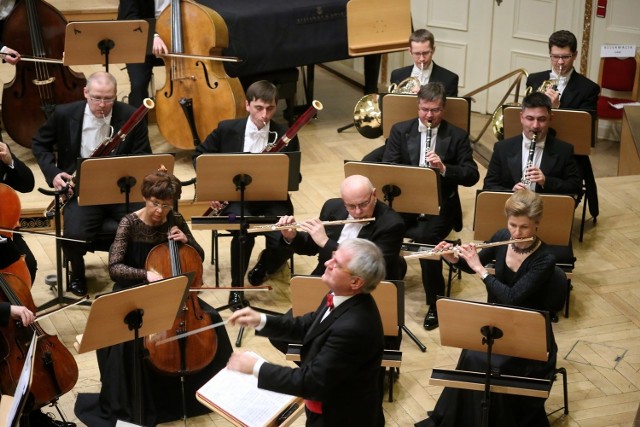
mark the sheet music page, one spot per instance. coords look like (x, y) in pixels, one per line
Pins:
(238, 395)
(23, 383)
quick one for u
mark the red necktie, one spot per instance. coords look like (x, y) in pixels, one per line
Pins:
(330, 301)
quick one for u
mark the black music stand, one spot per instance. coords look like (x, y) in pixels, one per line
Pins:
(240, 178)
(120, 42)
(407, 189)
(493, 328)
(118, 317)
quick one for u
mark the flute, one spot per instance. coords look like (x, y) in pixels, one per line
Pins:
(274, 227)
(435, 254)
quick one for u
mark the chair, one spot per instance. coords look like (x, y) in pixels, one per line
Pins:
(307, 293)
(621, 78)
(555, 227)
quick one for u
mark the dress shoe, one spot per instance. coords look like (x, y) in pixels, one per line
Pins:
(258, 274)
(431, 319)
(235, 300)
(553, 316)
(77, 287)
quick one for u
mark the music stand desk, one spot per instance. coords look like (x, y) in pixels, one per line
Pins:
(104, 42)
(377, 26)
(98, 177)
(419, 187)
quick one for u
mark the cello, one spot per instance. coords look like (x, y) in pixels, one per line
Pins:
(190, 354)
(31, 97)
(202, 89)
(9, 219)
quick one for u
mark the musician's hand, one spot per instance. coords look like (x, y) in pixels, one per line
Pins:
(217, 206)
(152, 276)
(316, 230)
(242, 362)
(159, 47)
(245, 317)
(435, 162)
(5, 154)
(519, 186)
(176, 234)
(554, 95)
(445, 246)
(290, 233)
(12, 56)
(470, 254)
(61, 180)
(23, 314)
(534, 174)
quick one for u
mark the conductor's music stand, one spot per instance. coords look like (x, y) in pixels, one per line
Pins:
(493, 328)
(130, 314)
(406, 189)
(120, 42)
(242, 177)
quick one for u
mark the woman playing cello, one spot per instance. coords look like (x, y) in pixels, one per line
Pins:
(138, 233)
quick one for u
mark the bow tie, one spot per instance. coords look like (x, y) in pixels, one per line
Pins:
(262, 133)
(539, 144)
(330, 301)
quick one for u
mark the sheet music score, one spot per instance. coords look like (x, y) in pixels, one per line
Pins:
(238, 396)
(23, 386)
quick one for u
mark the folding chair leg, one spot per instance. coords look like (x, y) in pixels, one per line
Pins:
(566, 306)
(584, 214)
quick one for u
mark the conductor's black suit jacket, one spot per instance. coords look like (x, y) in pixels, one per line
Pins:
(340, 361)
(386, 232)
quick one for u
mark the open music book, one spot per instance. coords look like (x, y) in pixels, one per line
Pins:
(12, 407)
(236, 397)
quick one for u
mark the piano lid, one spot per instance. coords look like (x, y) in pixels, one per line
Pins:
(278, 34)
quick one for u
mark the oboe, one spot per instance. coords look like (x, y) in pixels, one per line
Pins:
(427, 145)
(532, 152)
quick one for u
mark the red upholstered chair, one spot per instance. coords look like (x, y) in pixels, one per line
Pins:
(621, 77)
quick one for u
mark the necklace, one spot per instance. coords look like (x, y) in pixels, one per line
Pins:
(528, 249)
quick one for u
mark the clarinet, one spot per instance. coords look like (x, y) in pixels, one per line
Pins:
(427, 145)
(532, 151)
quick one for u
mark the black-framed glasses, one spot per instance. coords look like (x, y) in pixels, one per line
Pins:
(105, 101)
(361, 205)
(556, 58)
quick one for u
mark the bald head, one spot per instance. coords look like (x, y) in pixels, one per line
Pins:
(358, 196)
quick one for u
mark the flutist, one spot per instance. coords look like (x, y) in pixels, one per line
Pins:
(551, 168)
(75, 130)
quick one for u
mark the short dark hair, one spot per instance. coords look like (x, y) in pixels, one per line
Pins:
(433, 91)
(563, 38)
(421, 36)
(162, 185)
(262, 90)
(536, 100)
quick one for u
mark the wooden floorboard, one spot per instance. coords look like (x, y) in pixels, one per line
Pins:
(598, 344)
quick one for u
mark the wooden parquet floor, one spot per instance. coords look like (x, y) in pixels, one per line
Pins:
(599, 343)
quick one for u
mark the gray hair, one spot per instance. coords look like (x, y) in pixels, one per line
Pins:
(102, 76)
(366, 262)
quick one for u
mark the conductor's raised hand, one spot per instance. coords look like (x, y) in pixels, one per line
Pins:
(245, 317)
(242, 362)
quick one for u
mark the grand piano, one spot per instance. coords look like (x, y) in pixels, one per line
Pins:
(275, 35)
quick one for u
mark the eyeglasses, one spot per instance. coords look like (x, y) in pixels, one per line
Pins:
(420, 54)
(337, 265)
(556, 58)
(156, 205)
(105, 101)
(430, 110)
(362, 205)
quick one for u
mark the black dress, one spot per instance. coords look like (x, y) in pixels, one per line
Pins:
(526, 288)
(161, 393)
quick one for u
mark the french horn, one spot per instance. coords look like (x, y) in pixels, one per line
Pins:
(367, 115)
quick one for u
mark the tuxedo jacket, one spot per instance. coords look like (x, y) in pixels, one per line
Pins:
(579, 94)
(228, 137)
(438, 74)
(386, 232)
(340, 361)
(137, 9)
(5, 313)
(558, 165)
(62, 133)
(454, 149)
(20, 177)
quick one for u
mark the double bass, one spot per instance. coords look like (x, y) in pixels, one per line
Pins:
(198, 93)
(36, 28)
